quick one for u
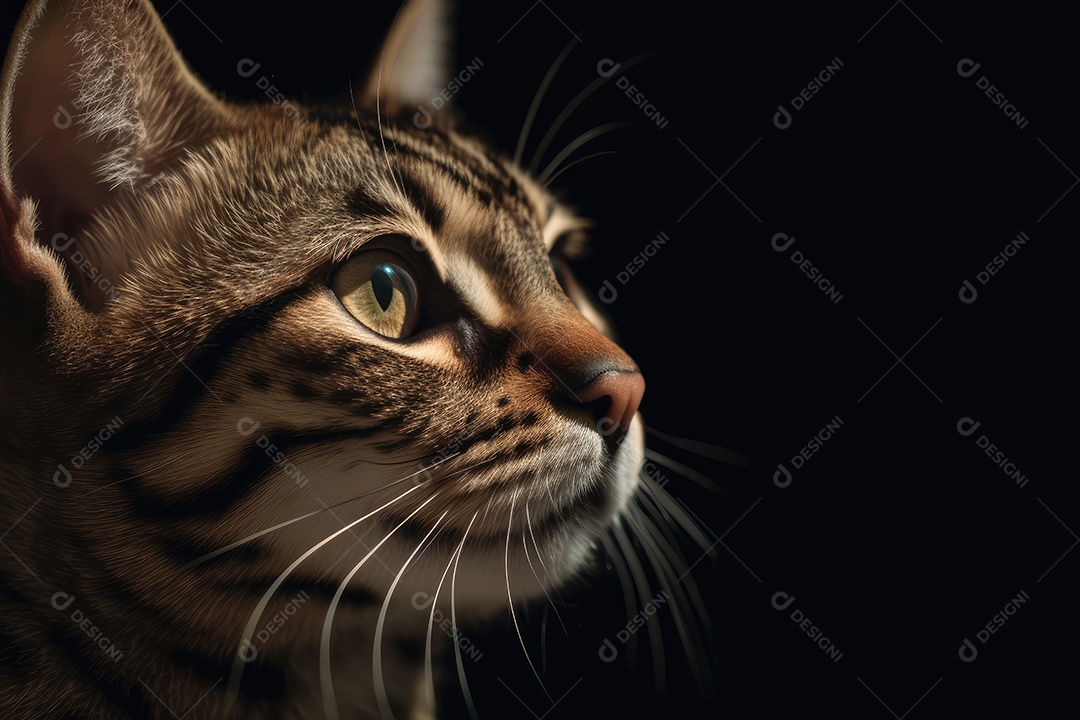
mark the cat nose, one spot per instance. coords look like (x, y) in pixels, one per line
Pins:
(590, 370)
(623, 389)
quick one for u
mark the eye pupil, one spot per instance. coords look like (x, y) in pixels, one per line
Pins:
(377, 288)
(382, 286)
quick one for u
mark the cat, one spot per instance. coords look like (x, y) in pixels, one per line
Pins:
(279, 388)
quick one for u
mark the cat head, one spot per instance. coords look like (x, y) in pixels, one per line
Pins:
(235, 328)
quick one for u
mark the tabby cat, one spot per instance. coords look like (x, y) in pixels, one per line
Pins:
(268, 379)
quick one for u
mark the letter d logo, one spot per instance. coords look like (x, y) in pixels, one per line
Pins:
(967, 67)
(62, 601)
(966, 426)
(782, 600)
(968, 293)
(246, 426)
(422, 118)
(62, 477)
(781, 242)
(62, 118)
(608, 652)
(247, 67)
(782, 118)
(247, 651)
(608, 293)
(968, 652)
(782, 477)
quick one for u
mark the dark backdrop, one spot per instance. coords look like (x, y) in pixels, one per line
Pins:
(898, 179)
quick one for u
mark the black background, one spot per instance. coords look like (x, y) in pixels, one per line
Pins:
(899, 180)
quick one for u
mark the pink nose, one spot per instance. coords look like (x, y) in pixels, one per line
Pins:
(623, 391)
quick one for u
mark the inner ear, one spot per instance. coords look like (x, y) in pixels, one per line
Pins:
(414, 63)
(96, 103)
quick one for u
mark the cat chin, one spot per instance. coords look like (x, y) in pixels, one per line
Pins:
(532, 555)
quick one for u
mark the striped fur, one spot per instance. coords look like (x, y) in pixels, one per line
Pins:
(225, 390)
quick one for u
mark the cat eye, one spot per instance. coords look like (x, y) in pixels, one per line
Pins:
(379, 291)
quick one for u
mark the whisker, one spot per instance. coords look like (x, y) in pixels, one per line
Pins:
(430, 687)
(706, 450)
(329, 508)
(660, 562)
(453, 623)
(377, 669)
(641, 581)
(510, 601)
(325, 671)
(679, 515)
(581, 97)
(615, 552)
(249, 630)
(672, 550)
(578, 142)
(378, 109)
(690, 473)
(528, 524)
(356, 111)
(538, 98)
(569, 165)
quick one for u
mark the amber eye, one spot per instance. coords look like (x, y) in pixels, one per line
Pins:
(377, 290)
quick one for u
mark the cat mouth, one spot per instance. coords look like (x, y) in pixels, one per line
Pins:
(541, 520)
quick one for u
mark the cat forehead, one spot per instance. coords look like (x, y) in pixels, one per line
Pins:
(459, 178)
(415, 182)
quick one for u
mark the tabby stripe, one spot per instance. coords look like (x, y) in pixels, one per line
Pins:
(424, 202)
(189, 389)
(362, 204)
(224, 491)
(130, 699)
(9, 592)
(476, 182)
(217, 497)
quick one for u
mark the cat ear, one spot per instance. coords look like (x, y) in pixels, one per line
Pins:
(416, 58)
(94, 102)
